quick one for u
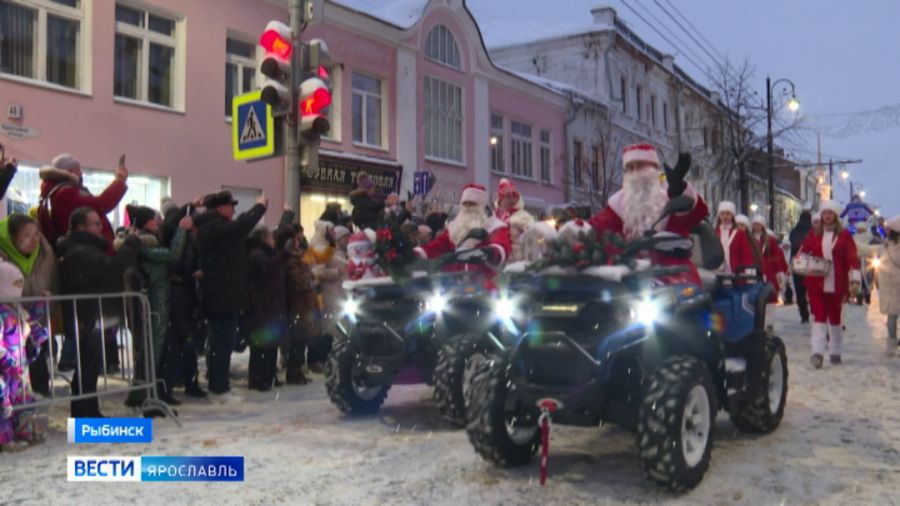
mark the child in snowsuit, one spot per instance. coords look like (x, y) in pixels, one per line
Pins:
(21, 339)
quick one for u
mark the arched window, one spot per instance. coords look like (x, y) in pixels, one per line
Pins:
(441, 47)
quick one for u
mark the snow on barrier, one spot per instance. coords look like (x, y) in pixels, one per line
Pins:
(91, 324)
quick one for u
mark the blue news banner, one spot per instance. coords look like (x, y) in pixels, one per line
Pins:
(143, 468)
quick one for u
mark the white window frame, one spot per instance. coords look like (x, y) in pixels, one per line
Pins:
(83, 54)
(444, 117)
(521, 151)
(241, 62)
(176, 42)
(445, 48)
(497, 148)
(546, 148)
(382, 123)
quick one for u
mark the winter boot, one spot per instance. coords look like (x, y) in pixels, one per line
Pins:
(816, 360)
(835, 343)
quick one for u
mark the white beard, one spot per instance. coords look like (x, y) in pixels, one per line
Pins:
(465, 221)
(643, 202)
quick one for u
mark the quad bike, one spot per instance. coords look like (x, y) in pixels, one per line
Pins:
(425, 329)
(614, 344)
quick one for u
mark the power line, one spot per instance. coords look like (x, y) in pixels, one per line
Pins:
(671, 32)
(689, 34)
(686, 20)
(675, 46)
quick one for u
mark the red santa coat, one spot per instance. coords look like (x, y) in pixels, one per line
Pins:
(609, 219)
(845, 263)
(66, 194)
(738, 248)
(773, 263)
(498, 237)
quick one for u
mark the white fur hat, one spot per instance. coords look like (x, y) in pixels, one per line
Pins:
(11, 280)
(893, 224)
(543, 229)
(727, 206)
(521, 220)
(758, 219)
(474, 193)
(743, 219)
(830, 205)
(640, 153)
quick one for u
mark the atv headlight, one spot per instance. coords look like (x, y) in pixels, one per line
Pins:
(437, 303)
(504, 308)
(350, 307)
(647, 312)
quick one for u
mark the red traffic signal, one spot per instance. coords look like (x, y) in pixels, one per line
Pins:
(277, 40)
(314, 96)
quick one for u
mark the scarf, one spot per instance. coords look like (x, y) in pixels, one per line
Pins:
(24, 263)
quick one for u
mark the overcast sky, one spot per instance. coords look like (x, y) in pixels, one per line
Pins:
(842, 56)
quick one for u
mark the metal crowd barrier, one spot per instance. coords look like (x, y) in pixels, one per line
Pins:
(127, 314)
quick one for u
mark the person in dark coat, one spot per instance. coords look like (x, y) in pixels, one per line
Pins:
(301, 302)
(796, 237)
(86, 268)
(436, 219)
(185, 336)
(266, 317)
(367, 212)
(7, 171)
(223, 260)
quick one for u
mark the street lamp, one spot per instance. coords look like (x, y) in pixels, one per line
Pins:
(792, 105)
(845, 175)
(493, 140)
(753, 208)
(862, 194)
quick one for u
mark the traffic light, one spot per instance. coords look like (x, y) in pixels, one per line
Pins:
(277, 40)
(315, 92)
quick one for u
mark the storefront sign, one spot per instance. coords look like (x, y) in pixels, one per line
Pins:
(339, 175)
(19, 132)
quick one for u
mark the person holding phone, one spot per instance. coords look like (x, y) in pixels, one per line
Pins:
(63, 191)
(7, 171)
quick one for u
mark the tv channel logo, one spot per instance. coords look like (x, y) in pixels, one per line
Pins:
(103, 469)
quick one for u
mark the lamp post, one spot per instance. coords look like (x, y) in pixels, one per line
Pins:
(793, 105)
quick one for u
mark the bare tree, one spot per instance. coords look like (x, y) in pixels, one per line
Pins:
(596, 172)
(741, 125)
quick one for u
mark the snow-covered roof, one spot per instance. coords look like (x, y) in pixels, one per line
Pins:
(400, 13)
(549, 84)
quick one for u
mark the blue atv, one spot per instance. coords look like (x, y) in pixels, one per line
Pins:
(426, 329)
(613, 344)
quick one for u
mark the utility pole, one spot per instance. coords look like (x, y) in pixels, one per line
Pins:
(292, 147)
(830, 179)
(770, 150)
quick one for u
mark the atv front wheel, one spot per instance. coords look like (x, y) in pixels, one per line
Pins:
(346, 392)
(763, 412)
(675, 423)
(457, 359)
(493, 430)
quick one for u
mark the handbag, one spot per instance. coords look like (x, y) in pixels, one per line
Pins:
(807, 265)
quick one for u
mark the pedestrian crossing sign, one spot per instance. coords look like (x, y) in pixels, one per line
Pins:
(252, 127)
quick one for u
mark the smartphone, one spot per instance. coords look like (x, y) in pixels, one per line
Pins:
(122, 160)
(190, 210)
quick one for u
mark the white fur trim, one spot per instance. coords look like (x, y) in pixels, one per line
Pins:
(640, 155)
(370, 234)
(419, 251)
(475, 195)
(742, 219)
(494, 223)
(758, 219)
(544, 229)
(830, 205)
(727, 206)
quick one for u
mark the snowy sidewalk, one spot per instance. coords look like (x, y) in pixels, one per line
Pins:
(838, 444)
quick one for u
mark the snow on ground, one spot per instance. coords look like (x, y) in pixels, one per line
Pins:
(839, 444)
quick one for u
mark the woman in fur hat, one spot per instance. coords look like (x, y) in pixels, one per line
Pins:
(735, 243)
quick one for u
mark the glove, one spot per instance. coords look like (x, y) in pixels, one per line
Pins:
(477, 233)
(492, 255)
(675, 177)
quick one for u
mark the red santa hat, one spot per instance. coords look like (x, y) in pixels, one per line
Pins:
(727, 207)
(507, 189)
(474, 193)
(830, 205)
(639, 153)
(358, 239)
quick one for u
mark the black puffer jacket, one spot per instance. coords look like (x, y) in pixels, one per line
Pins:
(799, 232)
(223, 260)
(85, 268)
(367, 212)
(267, 316)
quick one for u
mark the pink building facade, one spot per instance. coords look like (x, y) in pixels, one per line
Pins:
(414, 91)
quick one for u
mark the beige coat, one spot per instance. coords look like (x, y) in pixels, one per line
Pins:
(44, 275)
(889, 278)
